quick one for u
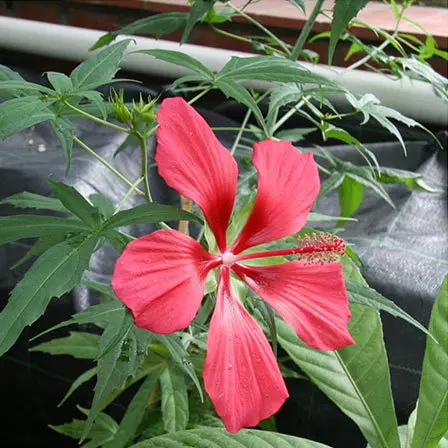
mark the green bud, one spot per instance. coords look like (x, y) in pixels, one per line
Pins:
(121, 111)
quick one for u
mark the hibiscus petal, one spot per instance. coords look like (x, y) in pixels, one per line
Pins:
(312, 299)
(161, 278)
(288, 183)
(192, 160)
(241, 374)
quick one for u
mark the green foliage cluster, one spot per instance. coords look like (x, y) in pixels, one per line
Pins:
(169, 408)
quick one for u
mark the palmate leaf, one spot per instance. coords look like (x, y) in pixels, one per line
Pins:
(343, 12)
(54, 273)
(241, 94)
(360, 293)
(220, 438)
(6, 74)
(180, 356)
(80, 345)
(182, 59)
(102, 432)
(13, 228)
(60, 82)
(347, 376)
(136, 409)
(370, 106)
(148, 213)
(33, 200)
(432, 410)
(100, 69)
(113, 367)
(64, 130)
(83, 378)
(158, 25)
(20, 113)
(75, 203)
(269, 68)
(197, 11)
(413, 180)
(175, 409)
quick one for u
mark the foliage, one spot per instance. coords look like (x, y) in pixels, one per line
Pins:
(66, 228)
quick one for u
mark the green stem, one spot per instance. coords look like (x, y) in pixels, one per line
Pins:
(200, 95)
(240, 132)
(144, 157)
(242, 39)
(303, 36)
(278, 41)
(107, 165)
(229, 128)
(98, 120)
(128, 194)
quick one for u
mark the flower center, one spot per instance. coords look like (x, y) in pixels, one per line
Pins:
(228, 258)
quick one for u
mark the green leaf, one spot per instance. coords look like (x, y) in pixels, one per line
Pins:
(241, 94)
(318, 217)
(113, 367)
(331, 183)
(61, 83)
(102, 431)
(13, 228)
(136, 409)
(158, 25)
(83, 378)
(173, 389)
(96, 99)
(64, 130)
(432, 410)
(99, 315)
(25, 86)
(409, 178)
(269, 68)
(20, 113)
(220, 438)
(101, 68)
(6, 74)
(364, 176)
(299, 3)
(103, 203)
(177, 351)
(347, 376)
(179, 58)
(359, 293)
(33, 200)
(351, 194)
(343, 12)
(75, 203)
(148, 213)
(54, 273)
(79, 344)
(44, 243)
(197, 11)
(294, 135)
(370, 106)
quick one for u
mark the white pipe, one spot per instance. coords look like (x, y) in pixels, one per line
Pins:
(414, 99)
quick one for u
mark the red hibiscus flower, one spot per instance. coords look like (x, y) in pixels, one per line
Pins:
(161, 276)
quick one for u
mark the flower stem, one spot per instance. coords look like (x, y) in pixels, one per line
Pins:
(128, 194)
(108, 165)
(303, 36)
(200, 95)
(96, 119)
(240, 132)
(278, 41)
(144, 162)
